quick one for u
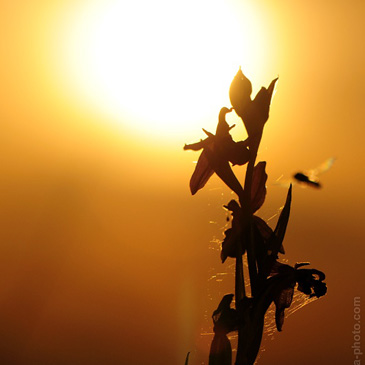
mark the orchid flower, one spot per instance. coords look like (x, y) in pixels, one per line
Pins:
(279, 288)
(218, 151)
(310, 282)
(225, 320)
(268, 238)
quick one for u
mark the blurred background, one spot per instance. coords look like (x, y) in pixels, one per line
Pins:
(105, 257)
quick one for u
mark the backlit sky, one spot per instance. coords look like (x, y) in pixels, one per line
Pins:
(105, 257)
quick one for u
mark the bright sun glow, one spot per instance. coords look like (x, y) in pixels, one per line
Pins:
(161, 66)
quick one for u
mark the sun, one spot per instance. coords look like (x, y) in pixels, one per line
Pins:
(160, 66)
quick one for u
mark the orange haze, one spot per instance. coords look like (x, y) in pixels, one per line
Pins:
(106, 258)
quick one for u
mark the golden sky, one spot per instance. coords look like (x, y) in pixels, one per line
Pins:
(105, 257)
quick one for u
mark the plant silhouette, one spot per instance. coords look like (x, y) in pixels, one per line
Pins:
(270, 281)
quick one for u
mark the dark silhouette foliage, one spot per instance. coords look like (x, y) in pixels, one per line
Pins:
(271, 281)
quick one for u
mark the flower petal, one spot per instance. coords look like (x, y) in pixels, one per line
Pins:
(220, 351)
(225, 317)
(237, 152)
(231, 243)
(201, 174)
(282, 300)
(223, 128)
(310, 282)
(223, 169)
(234, 237)
(198, 145)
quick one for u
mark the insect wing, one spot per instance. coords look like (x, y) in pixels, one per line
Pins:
(323, 167)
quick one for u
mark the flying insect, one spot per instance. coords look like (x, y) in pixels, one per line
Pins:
(308, 178)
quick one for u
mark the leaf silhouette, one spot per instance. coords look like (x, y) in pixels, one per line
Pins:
(275, 242)
(187, 358)
(282, 223)
(259, 112)
(264, 229)
(240, 92)
(254, 113)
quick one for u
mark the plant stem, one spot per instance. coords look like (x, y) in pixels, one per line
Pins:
(247, 212)
(245, 201)
(240, 292)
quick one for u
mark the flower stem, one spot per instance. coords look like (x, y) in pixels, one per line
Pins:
(245, 201)
(247, 212)
(240, 292)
